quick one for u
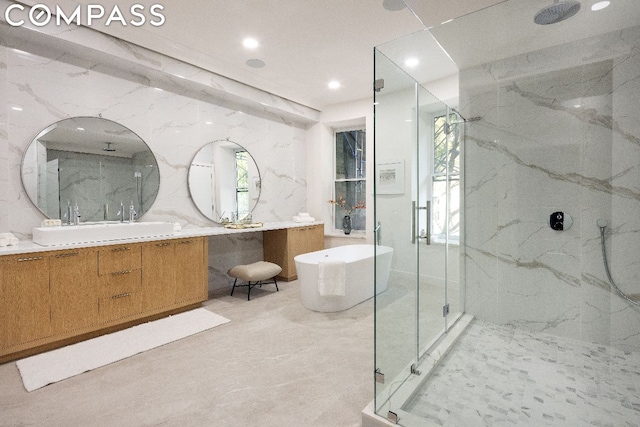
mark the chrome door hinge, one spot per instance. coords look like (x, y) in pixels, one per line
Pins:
(414, 370)
(445, 310)
(379, 376)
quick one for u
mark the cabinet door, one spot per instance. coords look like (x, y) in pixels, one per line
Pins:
(275, 245)
(24, 299)
(74, 289)
(158, 275)
(191, 277)
(314, 238)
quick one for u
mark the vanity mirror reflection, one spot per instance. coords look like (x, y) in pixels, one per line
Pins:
(224, 181)
(95, 163)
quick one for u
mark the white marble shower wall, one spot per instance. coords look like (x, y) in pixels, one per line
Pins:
(560, 131)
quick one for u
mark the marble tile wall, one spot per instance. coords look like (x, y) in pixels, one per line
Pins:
(559, 132)
(50, 79)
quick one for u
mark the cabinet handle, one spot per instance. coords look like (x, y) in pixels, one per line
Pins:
(35, 258)
(126, 248)
(116, 273)
(68, 254)
(185, 242)
(162, 245)
(121, 295)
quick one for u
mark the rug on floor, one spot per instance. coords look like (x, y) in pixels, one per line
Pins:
(56, 365)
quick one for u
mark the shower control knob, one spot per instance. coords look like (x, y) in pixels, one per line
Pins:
(560, 221)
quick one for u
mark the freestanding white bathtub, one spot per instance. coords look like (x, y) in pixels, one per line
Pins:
(359, 275)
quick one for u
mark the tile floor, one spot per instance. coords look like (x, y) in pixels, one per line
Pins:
(275, 364)
(500, 375)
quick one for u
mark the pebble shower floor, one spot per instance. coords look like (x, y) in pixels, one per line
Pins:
(501, 375)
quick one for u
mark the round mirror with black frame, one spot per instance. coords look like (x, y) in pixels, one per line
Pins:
(224, 182)
(94, 163)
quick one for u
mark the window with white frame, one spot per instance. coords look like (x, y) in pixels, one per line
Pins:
(242, 183)
(446, 177)
(349, 189)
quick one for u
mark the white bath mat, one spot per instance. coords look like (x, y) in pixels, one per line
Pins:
(56, 365)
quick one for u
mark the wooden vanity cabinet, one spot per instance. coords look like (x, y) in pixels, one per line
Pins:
(24, 299)
(191, 257)
(53, 298)
(281, 246)
(174, 272)
(73, 284)
(119, 268)
(158, 275)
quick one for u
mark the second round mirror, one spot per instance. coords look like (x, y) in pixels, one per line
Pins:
(224, 181)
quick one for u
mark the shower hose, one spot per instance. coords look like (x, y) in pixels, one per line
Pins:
(603, 225)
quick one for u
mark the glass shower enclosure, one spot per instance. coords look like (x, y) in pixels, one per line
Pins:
(418, 210)
(526, 122)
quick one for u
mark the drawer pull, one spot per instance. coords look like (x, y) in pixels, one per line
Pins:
(162, 245)
(117, 273)
(68, 254)
(35, 258)
(185, 242)
(121, 295)
(125, 248)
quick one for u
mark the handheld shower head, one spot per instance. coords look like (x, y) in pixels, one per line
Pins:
(602, 223)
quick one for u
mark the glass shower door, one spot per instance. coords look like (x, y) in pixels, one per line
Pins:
(395, 167)
(410, 202)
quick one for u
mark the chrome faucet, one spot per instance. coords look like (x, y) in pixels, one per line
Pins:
(132, 213)
(121, 212)
(76, 215)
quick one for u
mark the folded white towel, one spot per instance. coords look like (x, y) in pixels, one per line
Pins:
(303, 218)
(331, 275)
(8, 239)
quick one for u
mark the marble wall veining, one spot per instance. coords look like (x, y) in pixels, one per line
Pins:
(48, 75)
(559, 132)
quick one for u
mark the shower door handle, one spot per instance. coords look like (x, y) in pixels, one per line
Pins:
(414, 215)
(376, 232)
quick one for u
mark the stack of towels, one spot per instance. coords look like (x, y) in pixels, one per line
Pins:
(303, 217)
(7, 239)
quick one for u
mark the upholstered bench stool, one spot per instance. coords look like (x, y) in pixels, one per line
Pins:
(258, 273)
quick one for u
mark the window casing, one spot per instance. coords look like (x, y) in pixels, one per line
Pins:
(445, 177)
(242, 184)
(350, 182)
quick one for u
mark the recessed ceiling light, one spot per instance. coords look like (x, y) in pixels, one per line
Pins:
(411, 62)
(16, 108)
(393, 5)
(250, 43)
(209, 123)
(255, 63)
(333, 84)
(600, 5)
(80, 129)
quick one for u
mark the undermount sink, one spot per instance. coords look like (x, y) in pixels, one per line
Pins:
(99, 232)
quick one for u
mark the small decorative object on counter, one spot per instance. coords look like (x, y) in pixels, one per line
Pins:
(341, 202)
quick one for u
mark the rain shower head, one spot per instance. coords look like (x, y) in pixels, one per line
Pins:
(558, 11)
(108, 147)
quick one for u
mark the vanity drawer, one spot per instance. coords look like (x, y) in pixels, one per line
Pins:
(113, 259)
(120, 282)
(119, 305)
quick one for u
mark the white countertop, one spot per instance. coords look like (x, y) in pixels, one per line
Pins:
(27, 246)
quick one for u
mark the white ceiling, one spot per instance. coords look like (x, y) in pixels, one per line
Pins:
(304, 43)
